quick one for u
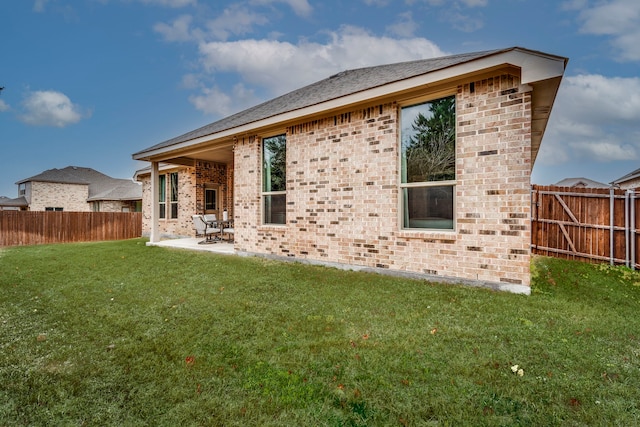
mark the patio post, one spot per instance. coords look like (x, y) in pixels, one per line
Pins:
(155, 203)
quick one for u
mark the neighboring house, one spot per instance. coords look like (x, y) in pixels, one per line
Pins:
(3, 200)
(630, 180)
(581, 183)
(418, 168)
(76, 189)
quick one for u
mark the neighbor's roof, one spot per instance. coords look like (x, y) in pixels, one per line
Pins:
(581, 182)
(339, 85)
(68, 175)
(631, 175)
(122, 189)
(101, 186)
(19, 202)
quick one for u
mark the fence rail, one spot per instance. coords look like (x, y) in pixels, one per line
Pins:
(32, 228)
(586, 224)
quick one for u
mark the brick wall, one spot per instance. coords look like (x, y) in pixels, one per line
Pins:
(114, 205)
(70, 197)
(632, 183)
(218, 175)
(342, 191)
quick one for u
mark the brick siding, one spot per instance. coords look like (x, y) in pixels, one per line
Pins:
(343, 194)
(69, 197)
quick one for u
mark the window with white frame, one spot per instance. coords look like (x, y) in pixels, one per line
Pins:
(428, 170)
(274, 175)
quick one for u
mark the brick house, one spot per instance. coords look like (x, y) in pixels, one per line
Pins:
(76, 189)
(628, 181)
(419, 168)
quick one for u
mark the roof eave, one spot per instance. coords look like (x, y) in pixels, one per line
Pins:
(535, 66)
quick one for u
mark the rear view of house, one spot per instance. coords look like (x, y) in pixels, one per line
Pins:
(420, 167)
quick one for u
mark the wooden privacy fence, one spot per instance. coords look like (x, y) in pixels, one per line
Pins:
(586, 224)
(32, 228)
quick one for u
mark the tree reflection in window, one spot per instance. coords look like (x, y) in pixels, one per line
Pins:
(274, 177)
(428, 146)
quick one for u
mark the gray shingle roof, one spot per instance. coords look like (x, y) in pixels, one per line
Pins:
(101, 186)
(339, 85)
(121, 189)
(18, 202)
(581, 182)
(627, 177)
(68, 175)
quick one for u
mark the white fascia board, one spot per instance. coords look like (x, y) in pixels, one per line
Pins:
(147, 171)
(535, 67)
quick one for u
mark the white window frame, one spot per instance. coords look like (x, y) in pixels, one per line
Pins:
(265, 194)
(404, 187)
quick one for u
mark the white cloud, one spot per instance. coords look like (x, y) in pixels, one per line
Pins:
(404, 27)
(215, 102)
(4, 106)
(171, 3)
(573, 4)
(619, 19)
(601, 100)
(235, 20)
(605, 150)
(462, 21)
(50, 108)
(177, 31)
(38, 5)
(280, 66)
(300, 7)
(475, 3)
(376, 2)
(595, 118)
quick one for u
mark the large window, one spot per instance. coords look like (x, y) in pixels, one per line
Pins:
(162, 196)
(428, 147)
(274, 175)
(173, 179)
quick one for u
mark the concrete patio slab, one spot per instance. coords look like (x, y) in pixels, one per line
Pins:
(193, 243)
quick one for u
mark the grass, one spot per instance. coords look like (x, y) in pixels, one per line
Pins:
(118, 333)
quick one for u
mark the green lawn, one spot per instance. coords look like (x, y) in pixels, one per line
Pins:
(117, 333)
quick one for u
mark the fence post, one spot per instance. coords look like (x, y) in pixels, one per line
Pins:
(626, 228)
(611, 224)
(632, 228)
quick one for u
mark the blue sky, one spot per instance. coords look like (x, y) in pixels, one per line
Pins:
(89, 82)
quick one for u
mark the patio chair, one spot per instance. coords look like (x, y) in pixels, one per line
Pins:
(229, 231)
(212, 221)
(204, 229)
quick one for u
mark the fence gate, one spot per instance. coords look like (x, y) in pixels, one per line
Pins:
(585, 223)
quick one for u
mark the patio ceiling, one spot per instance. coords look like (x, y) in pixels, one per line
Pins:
(221, 152)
